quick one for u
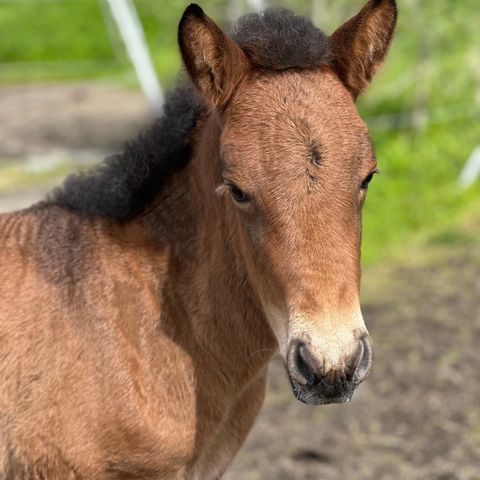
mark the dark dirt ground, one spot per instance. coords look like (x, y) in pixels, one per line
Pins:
(416, 417)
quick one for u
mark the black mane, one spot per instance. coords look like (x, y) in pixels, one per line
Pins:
(123, 185)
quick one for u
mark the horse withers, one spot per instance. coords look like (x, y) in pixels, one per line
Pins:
(142, 302)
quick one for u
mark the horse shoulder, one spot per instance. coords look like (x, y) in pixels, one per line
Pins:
(79, 300)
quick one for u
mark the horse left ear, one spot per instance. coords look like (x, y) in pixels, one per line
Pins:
(215, 63)
(360, 45)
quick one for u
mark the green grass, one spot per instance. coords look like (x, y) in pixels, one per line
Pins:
(417, 189)
(72, 40)
(56, 40)
(36, 31)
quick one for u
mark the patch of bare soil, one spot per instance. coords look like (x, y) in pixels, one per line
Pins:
(418, 415)
(36, 118)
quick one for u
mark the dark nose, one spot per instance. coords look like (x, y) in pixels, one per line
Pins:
(313, 383)
(361, 365)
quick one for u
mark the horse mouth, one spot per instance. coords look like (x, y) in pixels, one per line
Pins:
(321, 397)
(323, 393)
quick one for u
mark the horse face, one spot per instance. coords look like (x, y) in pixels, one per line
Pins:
(296, 162)
(296, 172)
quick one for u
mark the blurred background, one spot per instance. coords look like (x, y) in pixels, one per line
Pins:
(69, 95)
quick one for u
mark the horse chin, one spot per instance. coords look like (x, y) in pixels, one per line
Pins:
(309, 400)
(319, 397)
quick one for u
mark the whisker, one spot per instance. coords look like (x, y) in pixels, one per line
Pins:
(259, 351)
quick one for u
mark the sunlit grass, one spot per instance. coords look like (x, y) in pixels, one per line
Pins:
(417, 190)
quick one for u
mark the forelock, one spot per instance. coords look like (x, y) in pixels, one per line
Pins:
(278, 39)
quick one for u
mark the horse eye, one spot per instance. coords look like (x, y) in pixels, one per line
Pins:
(238, 195)
(366, 182)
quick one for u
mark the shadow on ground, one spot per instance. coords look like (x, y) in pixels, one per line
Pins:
(418, 415)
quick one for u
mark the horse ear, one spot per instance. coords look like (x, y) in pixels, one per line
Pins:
(215, 63)
(360, 45)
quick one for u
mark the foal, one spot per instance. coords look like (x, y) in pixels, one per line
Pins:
(142, 303)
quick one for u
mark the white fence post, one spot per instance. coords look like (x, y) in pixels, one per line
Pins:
(257, 5)
(471, 170)
(131, 30)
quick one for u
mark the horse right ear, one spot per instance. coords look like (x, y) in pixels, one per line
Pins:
(215, 63)
(360, 45)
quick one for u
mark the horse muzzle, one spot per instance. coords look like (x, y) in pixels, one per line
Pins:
(315, 382)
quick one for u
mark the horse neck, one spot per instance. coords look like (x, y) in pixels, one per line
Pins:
(207, 271)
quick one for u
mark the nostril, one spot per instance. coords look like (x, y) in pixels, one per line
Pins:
(303, 367)
(364, 360)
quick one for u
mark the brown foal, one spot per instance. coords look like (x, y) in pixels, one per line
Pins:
(142, 303)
